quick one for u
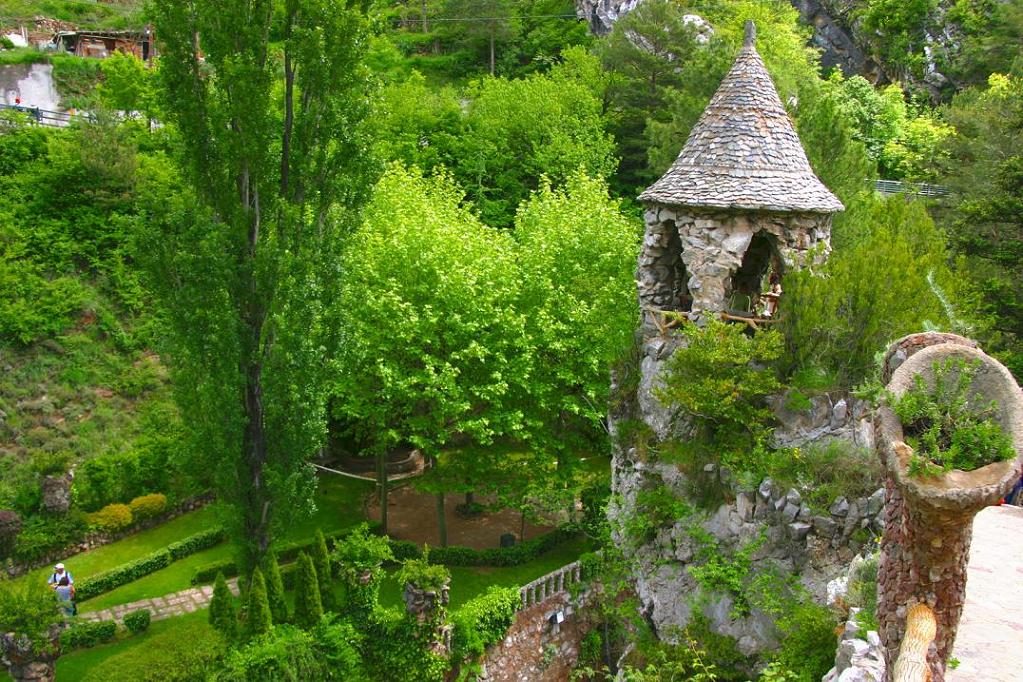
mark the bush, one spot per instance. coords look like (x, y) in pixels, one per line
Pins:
(324, 572)
(423, 575)
(148, 506)
(29, 609)
(130, 572)
(808, 648)
(308, 604)
(275, 590)
(43, 534)
(182, 653)
(10, 526)
(85, 635)
(137, 621)
(258, 620)
(484, 621)
(943, 426)
(288, 653)
(112, 518)
(222, 615)
(500, 557)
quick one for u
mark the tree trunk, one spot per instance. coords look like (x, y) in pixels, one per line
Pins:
(492, 31)
(442, 522)
(522, 525)
(470, 499)
(382, 489)
(256, 509)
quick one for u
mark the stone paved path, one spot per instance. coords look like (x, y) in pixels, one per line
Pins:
(177, 604)
(989, 644)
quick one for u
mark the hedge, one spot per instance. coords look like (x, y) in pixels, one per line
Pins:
(84, 635)
(484, 621)
(137, 621)
(403, 549)
(496, 557)
(132, 571)
(286, 553)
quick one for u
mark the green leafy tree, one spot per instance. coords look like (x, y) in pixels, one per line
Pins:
(127, 85)
(986, 170)
(839, 316)
(275, 156)
(31, 610)
(308, 607)
(275, 589)
(517, 131)
(447, 364)
(324, 572)
(490, 20)
(258, 620)
(222, 614)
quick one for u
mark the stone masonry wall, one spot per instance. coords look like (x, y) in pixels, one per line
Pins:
(533, 650)
(713, 246)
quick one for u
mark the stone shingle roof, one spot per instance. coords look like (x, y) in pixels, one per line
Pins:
(743, 153)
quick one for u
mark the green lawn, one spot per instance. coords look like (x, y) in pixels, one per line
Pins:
(73, 666)
(87, 564)
(469, 582)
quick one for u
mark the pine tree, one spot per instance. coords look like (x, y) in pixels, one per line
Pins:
(321, 561)
(308, 607)
(275, 589)
(222, 615)
(259, 621)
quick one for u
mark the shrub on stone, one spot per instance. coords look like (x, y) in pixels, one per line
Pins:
(112, 518)
(258, 620)
(137, 621)
(10, 526)
(222, 615)
(308, 606)
(483, 621)
(275, 590)
(148, 506)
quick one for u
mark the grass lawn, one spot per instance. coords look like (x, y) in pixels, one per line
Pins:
(470, 582)
(73, 666)
(87, 564)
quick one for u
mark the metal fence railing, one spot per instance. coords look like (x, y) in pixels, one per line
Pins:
(920, 189)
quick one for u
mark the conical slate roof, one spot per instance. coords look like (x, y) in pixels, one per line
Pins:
(744, 153)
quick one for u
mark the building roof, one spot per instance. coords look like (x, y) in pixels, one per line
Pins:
(744, 153)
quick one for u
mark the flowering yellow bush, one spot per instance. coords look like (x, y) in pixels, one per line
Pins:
(112, 517)
(148, 506)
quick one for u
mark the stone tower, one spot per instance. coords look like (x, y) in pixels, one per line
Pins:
(740, 201)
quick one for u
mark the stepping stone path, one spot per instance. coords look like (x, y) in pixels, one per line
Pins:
(176, 604)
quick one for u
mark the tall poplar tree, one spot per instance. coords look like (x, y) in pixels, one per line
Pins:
(267, 98)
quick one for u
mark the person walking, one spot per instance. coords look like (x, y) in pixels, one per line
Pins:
(64, 585)
(60, 572)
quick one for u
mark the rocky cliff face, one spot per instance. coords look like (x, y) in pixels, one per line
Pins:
(816, 545)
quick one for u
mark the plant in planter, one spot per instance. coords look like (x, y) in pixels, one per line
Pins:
(947, 427)
(953, 414)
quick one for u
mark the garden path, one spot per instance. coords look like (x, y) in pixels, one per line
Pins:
(168, 606)
(991, 629)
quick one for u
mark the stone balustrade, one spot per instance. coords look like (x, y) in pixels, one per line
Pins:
(553, 584)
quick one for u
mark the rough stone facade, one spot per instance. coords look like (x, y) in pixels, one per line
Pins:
(534, 649)
(816, 545)
(689, 258)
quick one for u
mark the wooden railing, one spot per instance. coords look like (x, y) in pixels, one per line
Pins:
(550, 585)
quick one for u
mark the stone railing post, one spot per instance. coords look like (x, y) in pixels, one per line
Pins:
(929, 520)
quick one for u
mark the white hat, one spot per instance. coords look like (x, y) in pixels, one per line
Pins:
(59, 567)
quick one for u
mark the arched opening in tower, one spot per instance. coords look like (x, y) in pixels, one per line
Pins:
(676, 288)
(756, 285)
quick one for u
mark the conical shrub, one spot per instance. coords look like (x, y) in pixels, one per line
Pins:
(258, 618)
(222, 615)
(321, 561)
(275, 590)
(308, 607)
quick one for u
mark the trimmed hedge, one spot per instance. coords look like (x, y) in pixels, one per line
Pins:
(286, 553)
(126, 573)
(85, 635)
(403, 549)
(495, 557)
(137, 621)
(484, 621)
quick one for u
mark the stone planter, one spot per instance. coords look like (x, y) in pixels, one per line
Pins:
(24, 663)
(929, 520)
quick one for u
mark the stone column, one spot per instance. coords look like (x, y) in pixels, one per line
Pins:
(427, 608)
(25, 662)
(929, 521)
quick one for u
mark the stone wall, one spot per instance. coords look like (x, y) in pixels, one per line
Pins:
(98, 539)
(534, 650)
(712, 248)
(815, 545)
